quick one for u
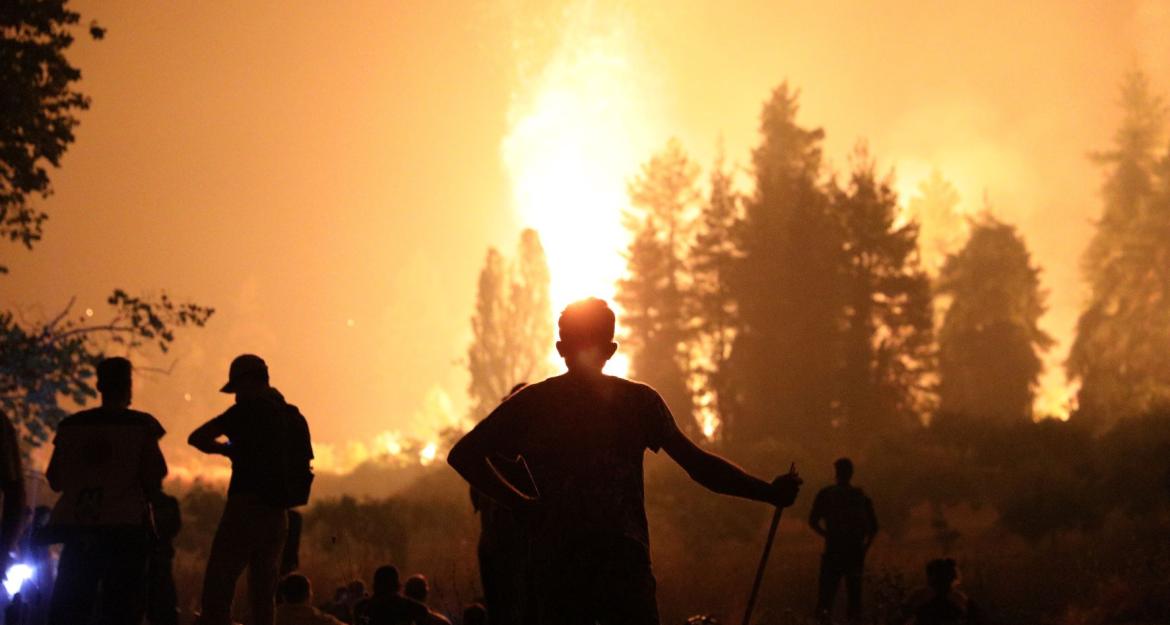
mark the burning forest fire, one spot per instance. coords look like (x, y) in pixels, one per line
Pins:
(912, 253)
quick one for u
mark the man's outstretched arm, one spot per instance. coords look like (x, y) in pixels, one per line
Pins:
(722, 476)
(206, 437)
(469, 457)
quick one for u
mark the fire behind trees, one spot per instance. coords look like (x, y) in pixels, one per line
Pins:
(802, 306)
(1121, 354)
(512, 332)
(799, 307)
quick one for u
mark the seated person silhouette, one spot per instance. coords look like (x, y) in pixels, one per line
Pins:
(417, 588)
(583, 435)
(940, 602)
(296, 604)
(388, 606)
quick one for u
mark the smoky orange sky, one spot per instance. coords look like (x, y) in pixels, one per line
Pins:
(328, 176)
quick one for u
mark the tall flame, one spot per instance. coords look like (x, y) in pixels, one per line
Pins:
(578, 129)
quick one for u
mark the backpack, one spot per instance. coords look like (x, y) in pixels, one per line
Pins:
(296, 455)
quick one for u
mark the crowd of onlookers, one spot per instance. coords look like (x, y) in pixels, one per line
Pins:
(390, 602)
(555, 474)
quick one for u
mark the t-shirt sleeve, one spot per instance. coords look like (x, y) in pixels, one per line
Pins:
(657, 421)
(227, 423)
(153, 467)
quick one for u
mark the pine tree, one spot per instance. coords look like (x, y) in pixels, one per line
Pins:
(512, 325)
(488, 357)
(652, 294)
(887, 331)
(990, 344)
(530, 308)
(712, 309)
(1119, 354)
(785, 353)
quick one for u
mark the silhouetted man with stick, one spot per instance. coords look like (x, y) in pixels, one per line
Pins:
(844, 516)
(583, 435)
(268, 443)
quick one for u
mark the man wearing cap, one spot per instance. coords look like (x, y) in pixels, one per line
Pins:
(267, 440)
(583, 435)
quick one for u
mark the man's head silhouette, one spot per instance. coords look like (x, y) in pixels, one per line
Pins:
(586, 330)
(844, 469)
(247, 376)
(386, 580)
(416, 588)
(296, 589)
(942, 574)
(114, 381)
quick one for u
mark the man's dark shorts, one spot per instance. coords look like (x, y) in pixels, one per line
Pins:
(607, 579)
(847, 561)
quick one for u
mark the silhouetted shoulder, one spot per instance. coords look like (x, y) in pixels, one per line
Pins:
(634, 391)
(653, 414)
(827, 491)
(633, 386)
(101, 416)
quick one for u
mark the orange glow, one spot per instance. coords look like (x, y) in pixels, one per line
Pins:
(578, 130)
(428, 453)
(362, 160)
(1056, 398)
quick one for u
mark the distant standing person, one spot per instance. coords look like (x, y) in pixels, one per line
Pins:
(267, 440)
(844, 516)
(12, 485)
(162, 598)
(584, 435)
(107, 466)
(941, 602)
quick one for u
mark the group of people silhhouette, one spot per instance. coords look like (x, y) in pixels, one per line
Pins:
(556, 472)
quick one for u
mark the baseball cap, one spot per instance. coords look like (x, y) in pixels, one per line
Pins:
(243, 367)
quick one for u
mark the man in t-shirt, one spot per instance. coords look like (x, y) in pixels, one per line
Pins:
(265, 438)
(583, 435)
(843, 515)
(107, 466)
